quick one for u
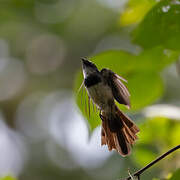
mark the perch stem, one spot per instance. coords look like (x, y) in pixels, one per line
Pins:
(139, 172)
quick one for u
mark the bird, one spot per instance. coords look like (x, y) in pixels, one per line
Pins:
(105, 88)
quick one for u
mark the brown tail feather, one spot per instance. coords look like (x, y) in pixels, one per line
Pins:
(129, 136)
(125, 136)
(127, 121)
(122, 145)
(107, 136)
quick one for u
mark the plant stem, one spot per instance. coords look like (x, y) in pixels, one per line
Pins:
(139, 172)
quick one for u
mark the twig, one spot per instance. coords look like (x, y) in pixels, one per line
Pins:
(139, 172)
(130, 175)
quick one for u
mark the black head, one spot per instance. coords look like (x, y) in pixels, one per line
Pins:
(88, 64)
(88, 67)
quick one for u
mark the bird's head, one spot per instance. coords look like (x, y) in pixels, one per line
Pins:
(88, 67)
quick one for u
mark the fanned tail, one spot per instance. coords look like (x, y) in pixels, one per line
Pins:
(118, 131)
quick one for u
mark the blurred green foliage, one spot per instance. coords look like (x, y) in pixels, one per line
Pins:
(172, 176)
(175, 175)
(135, 11)
(158, 135)
(161, 26)
(7, 178)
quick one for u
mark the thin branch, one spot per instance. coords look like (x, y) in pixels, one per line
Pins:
(139, 172)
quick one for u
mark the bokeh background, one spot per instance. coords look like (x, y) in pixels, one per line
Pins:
(45, 132)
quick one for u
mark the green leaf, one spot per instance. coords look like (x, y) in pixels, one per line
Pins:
(152, 126)
(161, 26)
(82, 101)
(175, 135)
(144, 88)
(135, 11)
(175, 175)
(7, 178)
(143, 155)
(154, 59)
(156, 137)
(141, 71)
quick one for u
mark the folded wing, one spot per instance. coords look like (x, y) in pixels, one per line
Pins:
(119, 90)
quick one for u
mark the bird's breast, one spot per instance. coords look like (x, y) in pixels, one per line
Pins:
(101, 94)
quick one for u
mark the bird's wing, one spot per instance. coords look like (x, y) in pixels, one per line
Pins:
(119, 90)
